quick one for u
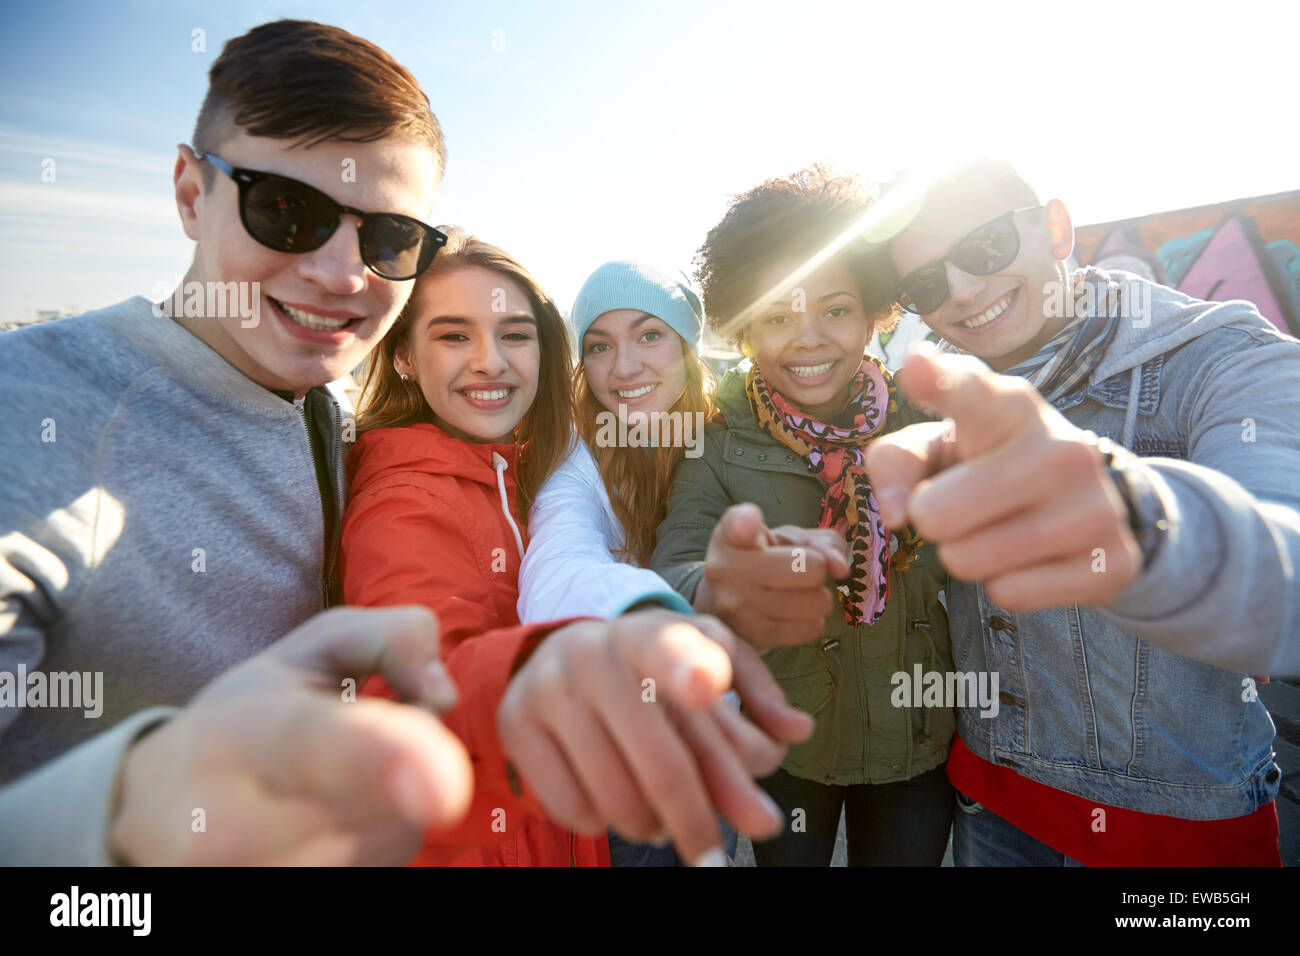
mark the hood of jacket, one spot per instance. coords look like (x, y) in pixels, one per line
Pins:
(389, 452)
(1159, 321)
(1155, 321)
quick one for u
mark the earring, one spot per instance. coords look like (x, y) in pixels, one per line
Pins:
(405, 377)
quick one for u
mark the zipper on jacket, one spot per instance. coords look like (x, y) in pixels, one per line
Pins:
(909, 738)
(931, 664)
(336, 481)
(864, 705)
(300, 403)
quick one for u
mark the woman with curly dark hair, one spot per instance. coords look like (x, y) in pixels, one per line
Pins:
(802, 302)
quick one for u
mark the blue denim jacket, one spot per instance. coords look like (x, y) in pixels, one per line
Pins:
(1148, 704)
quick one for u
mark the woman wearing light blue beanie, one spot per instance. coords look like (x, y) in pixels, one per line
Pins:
(643, 395)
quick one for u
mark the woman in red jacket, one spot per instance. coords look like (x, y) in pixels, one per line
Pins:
(465, 412)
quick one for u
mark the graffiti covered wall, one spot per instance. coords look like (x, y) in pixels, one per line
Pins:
(1244, 249)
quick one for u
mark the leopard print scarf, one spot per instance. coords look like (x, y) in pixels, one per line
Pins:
(836, 454)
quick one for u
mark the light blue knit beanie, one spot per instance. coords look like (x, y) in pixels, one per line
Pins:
(634, 285)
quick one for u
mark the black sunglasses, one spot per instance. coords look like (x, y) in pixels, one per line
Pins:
(983, 251)
(288, 216)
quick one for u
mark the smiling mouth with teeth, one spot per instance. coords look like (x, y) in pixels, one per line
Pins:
(988, 315)
(488, 396)
(811, 371)
(309, 320)
(636, 392)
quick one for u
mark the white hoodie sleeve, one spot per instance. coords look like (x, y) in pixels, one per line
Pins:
(569, 568)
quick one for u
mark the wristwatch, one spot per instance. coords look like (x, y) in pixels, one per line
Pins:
(1146, 513)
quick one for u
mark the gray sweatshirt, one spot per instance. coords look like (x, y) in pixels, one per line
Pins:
(160, 523)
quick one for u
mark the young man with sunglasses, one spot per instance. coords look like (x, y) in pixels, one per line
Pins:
(1129, 729)
(173, 487)
(173, 514)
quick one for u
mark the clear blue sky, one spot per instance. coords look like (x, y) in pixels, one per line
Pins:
(605, 130)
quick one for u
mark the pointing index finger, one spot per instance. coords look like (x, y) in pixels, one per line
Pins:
(741, 528)
(682, 657)
(988, 410)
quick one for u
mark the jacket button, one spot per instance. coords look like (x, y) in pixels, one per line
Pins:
(789, 457)
(999, 623)
(896, 767)
(740, 451)
(762, 456)
(1010, 699)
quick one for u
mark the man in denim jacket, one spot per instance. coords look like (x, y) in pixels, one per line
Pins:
(1129, 730)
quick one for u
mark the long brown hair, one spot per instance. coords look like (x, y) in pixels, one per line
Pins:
(543, 433)
(639, 480)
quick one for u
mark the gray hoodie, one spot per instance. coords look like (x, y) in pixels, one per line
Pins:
(161, 522)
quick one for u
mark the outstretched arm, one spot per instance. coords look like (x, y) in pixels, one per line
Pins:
(1018, 498)
(569, 568)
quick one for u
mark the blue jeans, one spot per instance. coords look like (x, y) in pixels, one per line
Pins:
(982, 838)
(623, 853)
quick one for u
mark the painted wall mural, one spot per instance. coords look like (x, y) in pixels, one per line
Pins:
(1242, 249)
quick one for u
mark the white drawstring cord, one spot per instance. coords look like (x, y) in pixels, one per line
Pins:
(500, 464)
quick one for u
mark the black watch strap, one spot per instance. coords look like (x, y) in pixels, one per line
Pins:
(1146, 515)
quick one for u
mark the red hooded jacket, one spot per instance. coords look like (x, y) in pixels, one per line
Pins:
(426, 524)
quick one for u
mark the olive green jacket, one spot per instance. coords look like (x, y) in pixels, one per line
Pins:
(844, 677)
